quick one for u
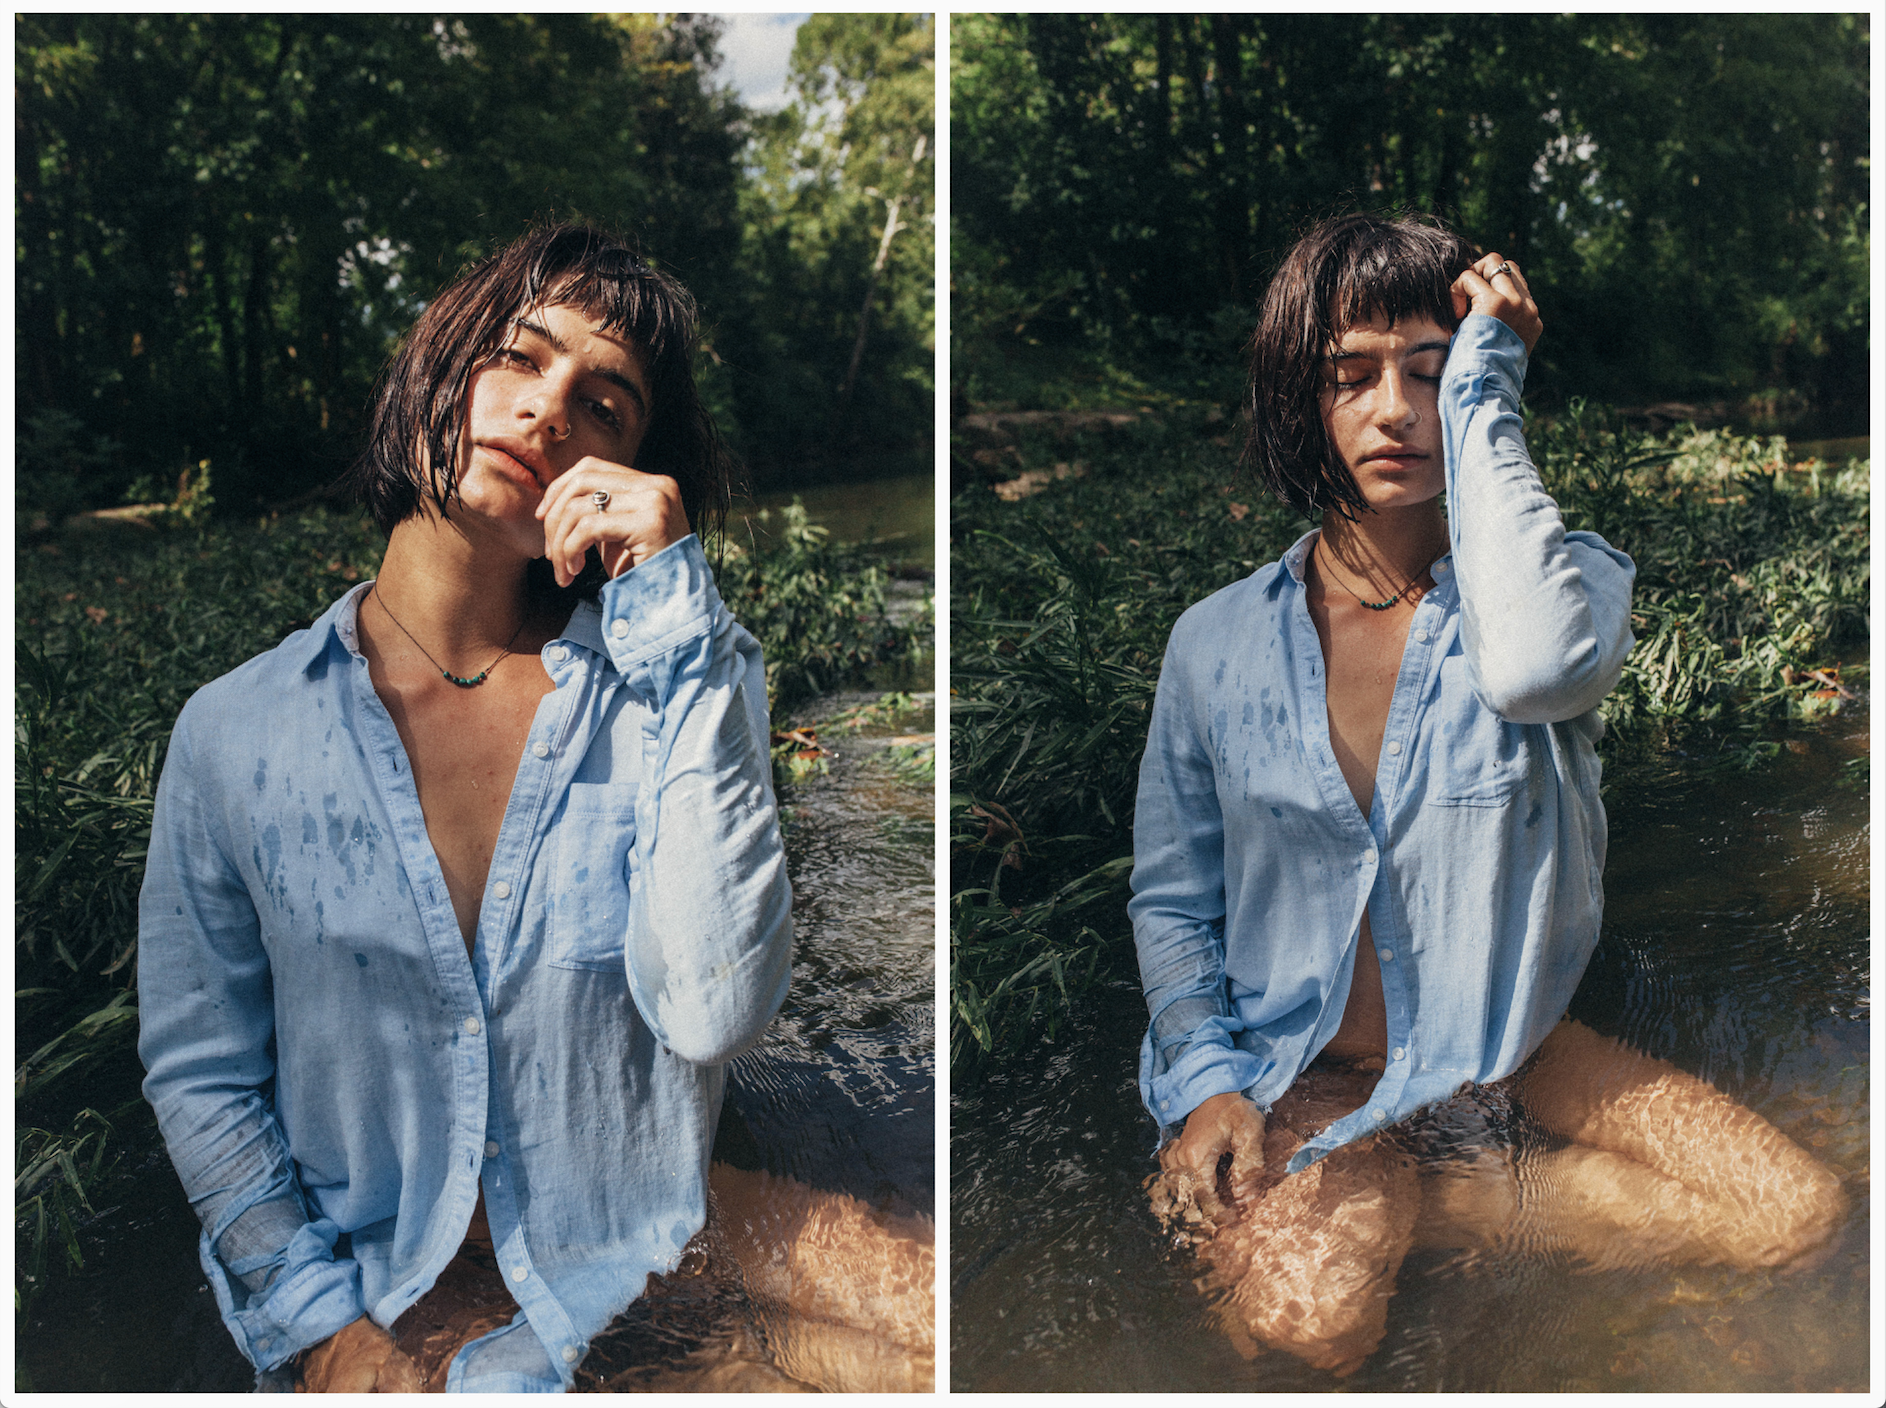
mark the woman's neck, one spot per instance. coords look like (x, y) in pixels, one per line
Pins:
(455, 596)
(1389, 548)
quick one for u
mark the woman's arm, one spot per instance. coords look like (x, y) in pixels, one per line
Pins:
(206, 1024)
(1545, 615)
(710, 910)
(1178, 910)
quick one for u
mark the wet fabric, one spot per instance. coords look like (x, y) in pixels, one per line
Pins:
(1480, 860)
(337, 1079)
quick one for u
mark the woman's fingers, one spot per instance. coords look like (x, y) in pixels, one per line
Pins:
(1493, 285)
(641, 516)
(1247, 1153)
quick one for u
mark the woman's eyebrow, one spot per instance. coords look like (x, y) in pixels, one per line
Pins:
(613, 378)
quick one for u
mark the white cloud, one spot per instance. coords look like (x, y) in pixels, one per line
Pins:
(755, 48)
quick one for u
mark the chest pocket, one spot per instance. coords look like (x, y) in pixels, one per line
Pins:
(589, 896)
(1479, 759)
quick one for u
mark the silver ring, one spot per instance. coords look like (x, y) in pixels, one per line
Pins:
(601, 499)
(1506, 269)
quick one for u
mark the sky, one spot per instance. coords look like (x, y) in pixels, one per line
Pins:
(754, 49)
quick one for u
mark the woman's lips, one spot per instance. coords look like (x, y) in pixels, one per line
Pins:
(518, 465)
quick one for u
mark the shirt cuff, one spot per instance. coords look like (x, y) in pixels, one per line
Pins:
(1210, 1065)
(661, 604)
(314, 1297)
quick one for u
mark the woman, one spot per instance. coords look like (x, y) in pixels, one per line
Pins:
(1369, 842)
(459, 903)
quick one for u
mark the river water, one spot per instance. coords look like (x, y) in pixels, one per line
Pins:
(1735, 945)
(838, 1098)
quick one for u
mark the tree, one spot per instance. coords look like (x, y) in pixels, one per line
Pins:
(1688, 190)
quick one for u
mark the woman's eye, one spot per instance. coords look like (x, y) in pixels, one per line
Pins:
(605, 415)
(510, 355)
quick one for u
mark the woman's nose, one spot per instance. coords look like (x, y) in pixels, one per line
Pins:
(549, 403)
(1393, 408)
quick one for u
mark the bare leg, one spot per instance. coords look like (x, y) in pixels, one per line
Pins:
(850, 1294)
(1663, 1165)
(1309, 1265)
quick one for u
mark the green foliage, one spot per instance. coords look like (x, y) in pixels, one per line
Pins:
(1690, 189)
(115, 627)
(855, 144)
(817, 609)
(52, 1172)
(1751, 573)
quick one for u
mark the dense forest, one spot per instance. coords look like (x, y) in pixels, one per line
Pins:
(224, 221)
(1686, 192)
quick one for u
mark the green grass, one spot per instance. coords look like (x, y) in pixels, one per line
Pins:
(115, 627)
(1751, 577)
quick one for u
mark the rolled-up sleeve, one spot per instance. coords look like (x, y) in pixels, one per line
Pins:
(710, 908)
(206, 1015)
(1545, 614)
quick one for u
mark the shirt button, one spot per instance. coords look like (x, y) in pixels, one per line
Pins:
(540, 750)
(471, 1025)
(559, 653)
(1165, 1104)
(1394, 748)
(1399, 1053)
(619, 629)
(1421, 636)
(1368, 855)
(1388, 955)
(502, 889)
(571, 1354)
(1439, 568)
(520, 1273)
(1378, 1115)
(491, 1148)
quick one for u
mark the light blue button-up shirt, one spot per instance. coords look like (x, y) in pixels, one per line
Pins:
(1479, 863)
(336, 1077)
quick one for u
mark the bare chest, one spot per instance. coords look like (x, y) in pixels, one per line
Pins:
(1362, 652)
(464, 746)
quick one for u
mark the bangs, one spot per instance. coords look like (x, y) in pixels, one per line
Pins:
(1392, 274)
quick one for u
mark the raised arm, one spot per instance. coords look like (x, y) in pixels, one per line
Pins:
(710, 910)
(1545, 614)
(206, 1024)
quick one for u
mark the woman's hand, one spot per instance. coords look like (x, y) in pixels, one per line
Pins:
(643, 516)
(1224, 1123)
(1494, 286)
(361, 1358)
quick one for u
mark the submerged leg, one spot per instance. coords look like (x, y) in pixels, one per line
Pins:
(849, 1294)
(1308, 1266)
(1665, 1166)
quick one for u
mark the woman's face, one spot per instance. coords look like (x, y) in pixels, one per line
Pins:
(561, 388)
(1381, 406)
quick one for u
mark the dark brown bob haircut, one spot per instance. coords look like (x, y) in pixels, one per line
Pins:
(419, 404)
(1348, 270)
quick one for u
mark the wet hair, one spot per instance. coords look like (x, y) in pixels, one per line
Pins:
(1343, 271)
(419, 404)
